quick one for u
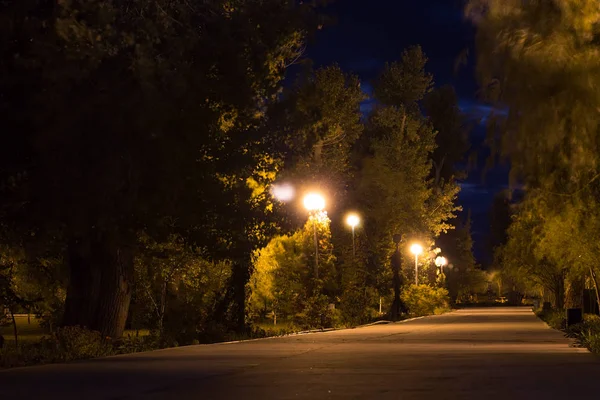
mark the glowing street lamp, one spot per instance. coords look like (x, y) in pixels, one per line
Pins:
(283, 192)
(353, 220)
(441, 262)
(314, 202)
(416, 249)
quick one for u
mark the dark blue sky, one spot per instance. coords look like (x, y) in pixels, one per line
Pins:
(369, 33)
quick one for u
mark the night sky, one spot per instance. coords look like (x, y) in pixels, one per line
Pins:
(366, 34)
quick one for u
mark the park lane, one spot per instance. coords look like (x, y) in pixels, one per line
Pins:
(491, 353)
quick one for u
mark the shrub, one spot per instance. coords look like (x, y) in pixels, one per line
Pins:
(67, 344)
(554, 318)
(76, 343)
(425, 300)
(356, 307)
(316, 314)
(137, 344)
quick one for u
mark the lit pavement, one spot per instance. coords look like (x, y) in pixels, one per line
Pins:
(501, 353)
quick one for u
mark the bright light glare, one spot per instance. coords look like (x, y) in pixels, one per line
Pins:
(416, 249)
(283, 192)
(314, 202)
(441, 261)
(353, 220)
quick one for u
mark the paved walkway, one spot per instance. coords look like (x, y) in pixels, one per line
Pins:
(493, 353)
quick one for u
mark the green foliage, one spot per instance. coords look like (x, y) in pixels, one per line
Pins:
(425, 300)
(405, 83)
(586, 333)
(452, 141)
(589, 333)
(283, 281)
(539, 61)
(128, 156)
(131, 343)
(122, 127)
(176, 289)
(75, 343)
(555, 318)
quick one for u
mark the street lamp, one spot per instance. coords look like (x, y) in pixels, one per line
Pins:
(283, 192)
(314, 203)
(416, 249)
(353, 220)
(441, 262)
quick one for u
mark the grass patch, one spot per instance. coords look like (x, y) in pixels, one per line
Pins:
(31, 331)
(282, 328)
(27, 331)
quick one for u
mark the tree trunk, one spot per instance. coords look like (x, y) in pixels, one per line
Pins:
(438, 171)
(559, 293)
(99, 290)
(403, 126)
(163, 301)
(318, 151)
(84, 284)
(595, 281)
(116, 285)
(574, 297)
(240, 276)
(15, 330)
(397, 305)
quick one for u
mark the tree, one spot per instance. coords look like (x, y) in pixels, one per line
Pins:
(123, 127)
(463, 274)
(538, 60)
(396, 191)
(452, 141)
(283, 283)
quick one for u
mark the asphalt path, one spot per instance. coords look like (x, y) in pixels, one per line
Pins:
(491, 353)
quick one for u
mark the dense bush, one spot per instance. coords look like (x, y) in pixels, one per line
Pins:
(586, 333)
(425, 300)
(554, 318)
(317, 314)
(136, 344)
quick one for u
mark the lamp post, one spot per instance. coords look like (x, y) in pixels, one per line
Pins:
(441, 262)
(353, 220)
(416, 249)
(314, 203)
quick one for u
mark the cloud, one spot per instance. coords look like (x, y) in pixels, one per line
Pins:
(480, 111)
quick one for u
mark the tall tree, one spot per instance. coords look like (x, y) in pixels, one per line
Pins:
(124, 127)
(396, 191)
(452, 141)
(539, 60)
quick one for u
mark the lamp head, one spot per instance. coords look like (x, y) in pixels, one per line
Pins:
(314, 202)
(416, 249)
(352, 220)
(283, 192)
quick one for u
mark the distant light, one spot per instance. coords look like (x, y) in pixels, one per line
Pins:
(314, 202)
(416, 249)
(441, 261)
(283, 192)
(353, 220)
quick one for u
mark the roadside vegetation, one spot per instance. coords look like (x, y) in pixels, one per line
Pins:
(139, 182)
(586, 333)
(537, 63)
